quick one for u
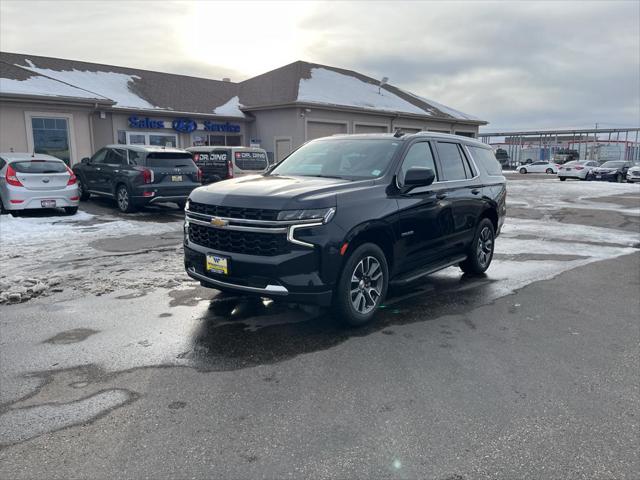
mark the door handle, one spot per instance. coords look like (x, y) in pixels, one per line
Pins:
(98, 168)
(441, 196)
(116, 171)
(475, 191)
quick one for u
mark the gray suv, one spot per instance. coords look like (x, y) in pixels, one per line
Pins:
(136, 175)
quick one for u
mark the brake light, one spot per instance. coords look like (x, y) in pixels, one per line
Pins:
(147, 174)
(229, 168)
(11, 178)
(199, 176)
(72, 176)
(196, 157)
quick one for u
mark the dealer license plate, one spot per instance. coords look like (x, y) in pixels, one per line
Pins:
(48, 203)
(176, 178)
(218, 264)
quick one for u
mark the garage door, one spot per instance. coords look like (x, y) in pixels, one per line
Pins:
(323, 129)
(371, 129)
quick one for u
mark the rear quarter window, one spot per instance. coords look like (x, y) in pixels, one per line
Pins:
(486, 160)
(169, 160)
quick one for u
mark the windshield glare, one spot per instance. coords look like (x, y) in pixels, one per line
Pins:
(352, 159)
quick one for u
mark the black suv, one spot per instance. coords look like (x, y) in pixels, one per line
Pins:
(138, 175)
(343, 217)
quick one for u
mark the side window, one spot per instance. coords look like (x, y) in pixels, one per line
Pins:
(99, 156)
(419, 155)
(453, 163)
(116, 157)
(486, 160)
(135, 158)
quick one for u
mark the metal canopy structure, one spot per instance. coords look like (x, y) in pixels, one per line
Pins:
(588, 142)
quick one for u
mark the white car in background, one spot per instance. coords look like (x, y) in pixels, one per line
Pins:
(633, 174)
(539, 167)
(579, 169)
(35, 181)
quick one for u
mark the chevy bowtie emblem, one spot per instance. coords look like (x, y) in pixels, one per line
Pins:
(219, 222)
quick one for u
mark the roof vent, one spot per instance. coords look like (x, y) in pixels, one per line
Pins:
(226, 79)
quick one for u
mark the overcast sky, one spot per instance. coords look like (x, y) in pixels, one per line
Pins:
(516, 64)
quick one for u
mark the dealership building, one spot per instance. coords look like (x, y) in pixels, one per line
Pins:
(70, 109)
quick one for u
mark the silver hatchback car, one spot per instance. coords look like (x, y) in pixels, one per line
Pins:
(36, 181)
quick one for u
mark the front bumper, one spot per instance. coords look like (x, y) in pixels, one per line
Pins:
(633, 178)
(604, 177)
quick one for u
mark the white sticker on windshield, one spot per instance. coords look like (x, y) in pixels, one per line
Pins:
(375, 173)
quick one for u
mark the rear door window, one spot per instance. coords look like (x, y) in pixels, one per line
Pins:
(39, 166)
(116, 156)
(251, 160)
(454, 164)
(169, 160)
(486, 159)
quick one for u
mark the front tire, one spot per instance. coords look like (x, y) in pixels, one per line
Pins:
(549, 170)
(480, 252)
(362, 285)
(123, 199)
(82, 193)
(523, 171)
(562, 179)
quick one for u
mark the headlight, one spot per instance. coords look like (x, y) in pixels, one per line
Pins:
(186, 205)
(324, 214)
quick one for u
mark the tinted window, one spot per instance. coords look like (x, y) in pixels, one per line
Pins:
(99, 156)
(351, 159)
(452, 161)
(169, 159)
(419, 155)
(486, 159)
(116, 157)
(39, 166)
(135, 158)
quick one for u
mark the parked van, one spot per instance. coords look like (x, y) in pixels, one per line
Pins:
(220, 163)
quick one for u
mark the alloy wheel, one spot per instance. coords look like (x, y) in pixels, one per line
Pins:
(485, 247)
(123, 199)
(367, 281)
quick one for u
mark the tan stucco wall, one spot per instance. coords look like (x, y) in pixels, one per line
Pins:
(14, 124)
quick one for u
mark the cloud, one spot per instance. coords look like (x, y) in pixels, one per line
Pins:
(516, 64)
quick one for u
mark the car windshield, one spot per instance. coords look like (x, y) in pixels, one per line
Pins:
(612, 164)
(39, 166)
(351, 159)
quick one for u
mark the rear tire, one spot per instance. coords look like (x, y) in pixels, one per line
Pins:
(480, 253)
(123, 199)
(523, 171)
(362, 285)
(562, 179)
(82, 193)
(71, 210)
(549, 170)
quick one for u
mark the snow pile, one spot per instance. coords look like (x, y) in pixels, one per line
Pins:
(230, 109)
(329, 87)
(112, 85)
(43, 86)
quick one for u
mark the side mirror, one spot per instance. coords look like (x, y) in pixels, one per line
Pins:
(418, 177)
(85, 160)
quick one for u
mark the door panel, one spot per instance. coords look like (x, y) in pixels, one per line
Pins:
(91, 170)
(115, 161)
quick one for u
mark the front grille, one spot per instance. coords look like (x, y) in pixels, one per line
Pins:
(234, 212)
(266, 244)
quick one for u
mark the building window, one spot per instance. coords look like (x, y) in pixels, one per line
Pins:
(466, 134)
(51, 136)
(156, 139)
(122, 137)
(218, 140)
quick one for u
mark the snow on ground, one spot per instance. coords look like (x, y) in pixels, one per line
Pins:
(327, 86)
(551, 194)
(107, 84)
(230, 109)
(38, 85)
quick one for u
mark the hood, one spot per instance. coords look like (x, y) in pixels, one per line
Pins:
(276, 192)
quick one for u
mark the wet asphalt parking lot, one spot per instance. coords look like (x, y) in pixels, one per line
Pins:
(130, 370)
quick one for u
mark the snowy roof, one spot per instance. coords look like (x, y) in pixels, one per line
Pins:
(299, 83)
